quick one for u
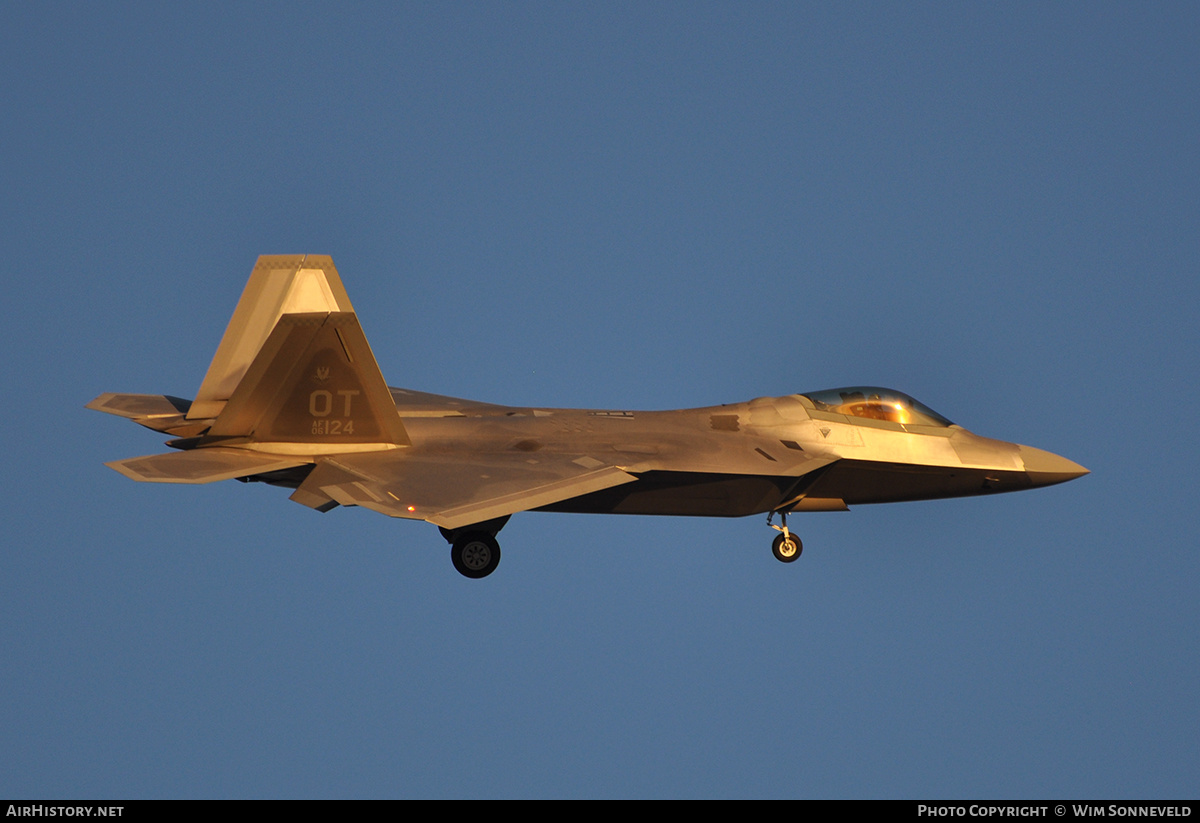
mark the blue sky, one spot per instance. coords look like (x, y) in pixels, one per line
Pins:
(992, 207)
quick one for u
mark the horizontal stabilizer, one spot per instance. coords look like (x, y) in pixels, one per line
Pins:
(201, 465)
(159, 412)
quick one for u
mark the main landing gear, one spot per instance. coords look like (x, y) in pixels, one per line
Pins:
(474, 550)
(787, 546)
(475, 554)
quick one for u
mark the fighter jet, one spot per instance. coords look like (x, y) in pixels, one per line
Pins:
(294, 398)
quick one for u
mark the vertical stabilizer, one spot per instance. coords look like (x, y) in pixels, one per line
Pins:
(315, 384)
(281, 284)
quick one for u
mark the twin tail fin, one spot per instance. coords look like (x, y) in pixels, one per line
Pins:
(292, 379)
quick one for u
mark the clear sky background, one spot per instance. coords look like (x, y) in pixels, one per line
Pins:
(990, 206)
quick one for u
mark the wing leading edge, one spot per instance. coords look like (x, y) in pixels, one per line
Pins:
(453, 491)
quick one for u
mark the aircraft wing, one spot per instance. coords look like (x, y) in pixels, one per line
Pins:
(452, 491)
(411, 403)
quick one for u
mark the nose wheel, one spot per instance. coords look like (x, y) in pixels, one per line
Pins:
(787, 546)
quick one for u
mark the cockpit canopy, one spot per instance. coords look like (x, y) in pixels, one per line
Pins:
(876, 403)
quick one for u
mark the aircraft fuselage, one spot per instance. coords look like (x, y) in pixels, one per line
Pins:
(749, 458)
(294, 398)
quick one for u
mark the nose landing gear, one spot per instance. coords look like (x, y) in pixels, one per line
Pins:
(787, 546)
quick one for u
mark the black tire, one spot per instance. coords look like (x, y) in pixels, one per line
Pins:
(790, 553)
(475, 554)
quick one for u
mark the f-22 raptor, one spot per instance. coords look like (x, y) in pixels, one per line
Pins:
(294, 398)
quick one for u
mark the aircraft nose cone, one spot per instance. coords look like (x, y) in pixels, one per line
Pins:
(1046, 468)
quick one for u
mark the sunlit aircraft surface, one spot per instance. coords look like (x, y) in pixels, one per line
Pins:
(294, 398)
